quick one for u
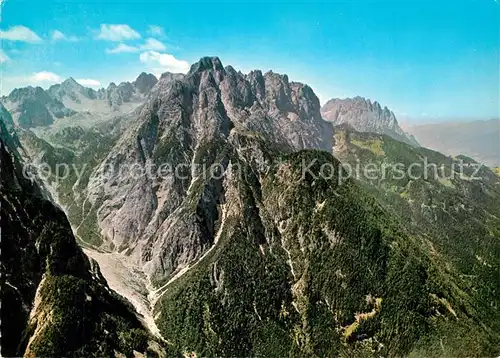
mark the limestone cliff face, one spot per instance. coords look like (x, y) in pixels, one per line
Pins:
(166, 221)
(365, 116)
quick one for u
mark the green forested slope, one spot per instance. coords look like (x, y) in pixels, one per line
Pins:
(307, 267)
(454, 215)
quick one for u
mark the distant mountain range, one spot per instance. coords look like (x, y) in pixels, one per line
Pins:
(33, 106)
(477, 139)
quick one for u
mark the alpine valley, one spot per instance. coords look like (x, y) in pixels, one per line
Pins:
(224, 245)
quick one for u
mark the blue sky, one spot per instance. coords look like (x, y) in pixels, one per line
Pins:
(423, 59)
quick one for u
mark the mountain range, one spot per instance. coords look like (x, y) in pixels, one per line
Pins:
(477, 139)
(203, 200)
(35, 107)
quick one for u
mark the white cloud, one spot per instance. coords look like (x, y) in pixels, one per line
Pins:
(153, 45)
(20, 33)
(150, 45)
(3, 56)
(60, 36)
(46, 77)
(157, 31)
(88, 82)
(166, 61)
(122, 48)
(115, 32)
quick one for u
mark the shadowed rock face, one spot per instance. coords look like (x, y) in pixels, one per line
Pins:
(32, 107)
(365, 116)
(145, 82)
(5, 116)
(55, 301)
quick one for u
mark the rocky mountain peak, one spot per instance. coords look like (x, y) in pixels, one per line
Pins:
(276, 76)
(71, 89)
(206, 64)
(145, 82)
(29, 91)
(365, 115)
(169, 76)
(192, 119)
(33, 106)
(71, 82)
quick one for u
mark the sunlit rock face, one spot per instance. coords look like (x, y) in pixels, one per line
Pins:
(365, 116)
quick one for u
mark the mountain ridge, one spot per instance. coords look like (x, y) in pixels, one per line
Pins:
(478, 139)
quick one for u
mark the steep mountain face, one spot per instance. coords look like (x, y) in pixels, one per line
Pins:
(186, 125)
(9, 137)
(477, 139)
(207, 214)
(452, 204)
(169, 76)
(55, 301)
(125, 92)
(5, 116)
(302, 266)
(365, 116)
(32, 107)
(299, 265)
